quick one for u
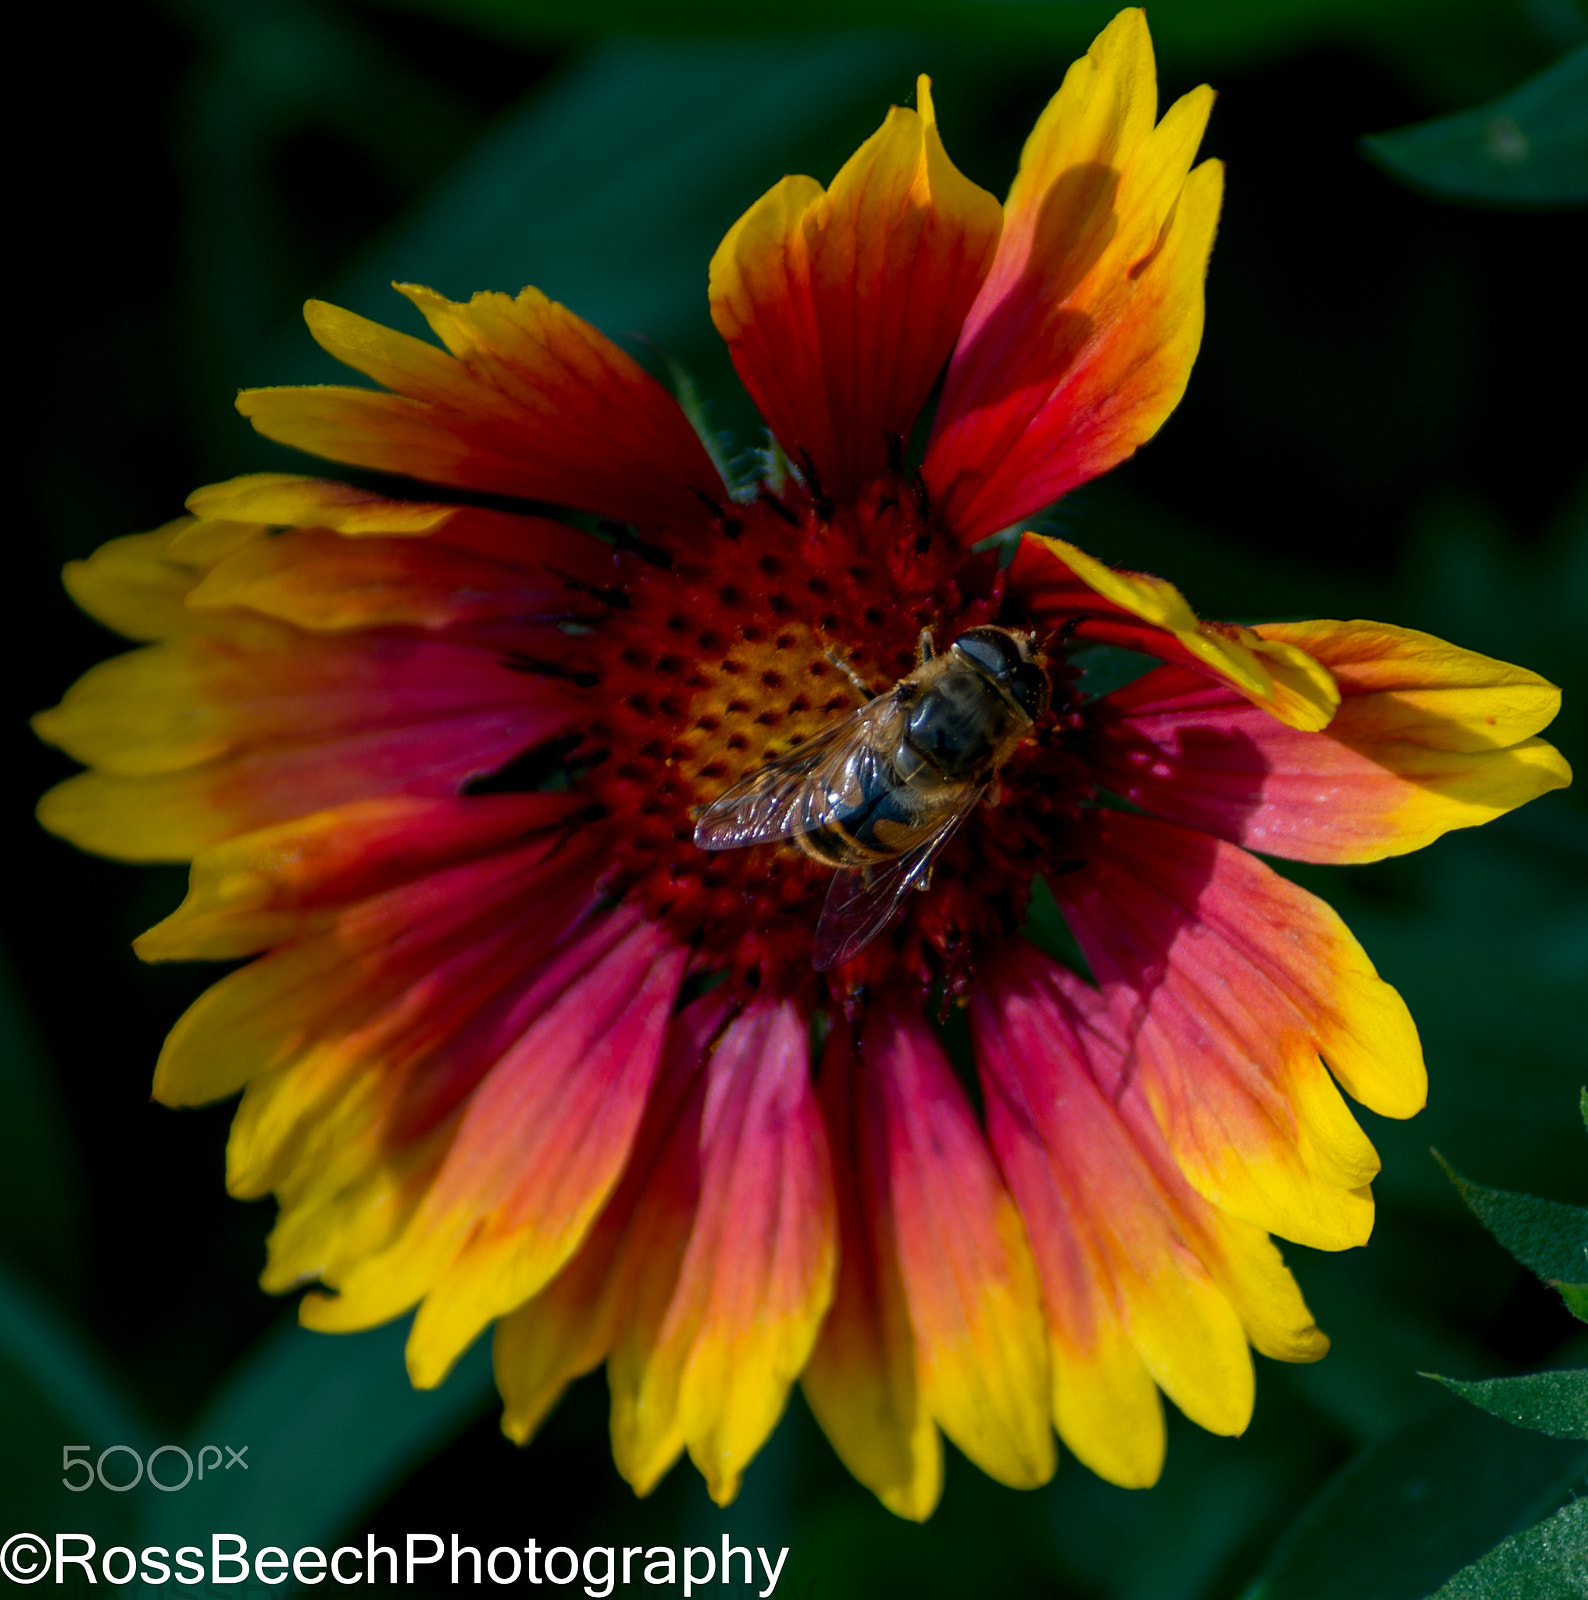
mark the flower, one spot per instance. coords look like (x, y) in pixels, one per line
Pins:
(513, 1049)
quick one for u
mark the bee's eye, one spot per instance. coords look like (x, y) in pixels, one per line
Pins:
(993, 650)
(1028, 686)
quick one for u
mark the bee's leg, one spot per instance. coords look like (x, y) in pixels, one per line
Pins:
(866, 691)
(923, 648)
(995, 791)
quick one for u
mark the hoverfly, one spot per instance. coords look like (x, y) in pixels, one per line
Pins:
(879, 792)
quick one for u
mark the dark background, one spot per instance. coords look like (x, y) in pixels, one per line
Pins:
(1387, 420)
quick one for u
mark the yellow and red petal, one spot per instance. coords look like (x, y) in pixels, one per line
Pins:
(1144, 1282)
(527, 400)
(290, 500)
(282, 883)
(373, 985)
(332, 1213)
(1231, 982)
(1428, 738)
(202, 738)
(358, 1046)
(540, 1146)
(861, 1379)
(134, 585)
(323, 583)
(969, 1281)
(1410, 685)
(841, 306)
(757, 1273)
(729, 1263)
(1240, 1256)
(174, 816)
(387, 1016)
(1082, 338)
(223, 729)
(201, 699)
(642, 1375)
(347, 559)
(1058, 585)
(570, 1327)
(1104, 1401)
(138, 585)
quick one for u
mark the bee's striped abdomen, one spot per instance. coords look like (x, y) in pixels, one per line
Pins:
(885, 822)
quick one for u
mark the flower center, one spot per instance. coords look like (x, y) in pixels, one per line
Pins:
(739, 648)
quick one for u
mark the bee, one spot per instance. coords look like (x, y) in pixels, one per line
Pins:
(878, 793)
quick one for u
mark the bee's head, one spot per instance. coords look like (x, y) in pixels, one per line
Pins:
(1013, 662)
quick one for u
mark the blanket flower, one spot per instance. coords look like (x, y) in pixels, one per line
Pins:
(514, 1050)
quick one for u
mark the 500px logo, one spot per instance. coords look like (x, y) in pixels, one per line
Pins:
(74, 1459)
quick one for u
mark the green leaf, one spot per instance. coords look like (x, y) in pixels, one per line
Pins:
(55, 1390)
(1548, 1562)
(1241, 27)
(1046, 928)
(1576, 1297)
(1417, 1506)
(41, 1210)
(58, 1367)
(718, 445)
(1555, 1403)
(330, 1423)
(536, 21)
(1528, 148)
(1106, 667)
(1547, 1237)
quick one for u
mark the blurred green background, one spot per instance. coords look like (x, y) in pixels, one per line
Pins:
(1387, 420)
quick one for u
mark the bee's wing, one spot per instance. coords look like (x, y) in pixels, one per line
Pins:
(795, 793)
(862, 900)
